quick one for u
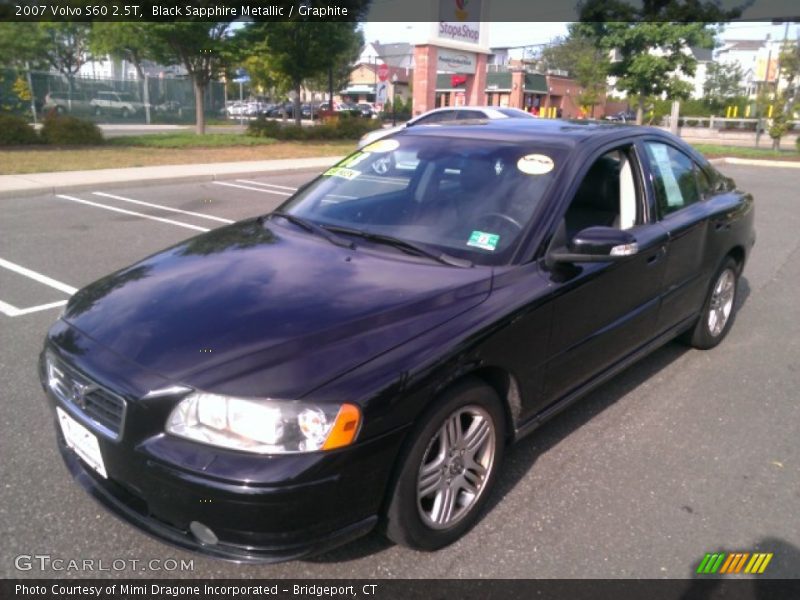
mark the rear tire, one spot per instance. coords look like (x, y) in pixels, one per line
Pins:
(448, 468)
(719, 309)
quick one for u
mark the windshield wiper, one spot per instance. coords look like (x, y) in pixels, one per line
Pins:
(405, 246)
(314, 228)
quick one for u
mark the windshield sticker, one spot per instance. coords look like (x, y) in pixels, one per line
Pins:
(535, 164)
(382, 146)
(354, 160)
(484, 241)
(348, 174)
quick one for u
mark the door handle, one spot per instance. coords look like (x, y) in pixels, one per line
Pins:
(654, 258)
(721, 225)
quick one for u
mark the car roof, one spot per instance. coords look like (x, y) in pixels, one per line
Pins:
(553, 131)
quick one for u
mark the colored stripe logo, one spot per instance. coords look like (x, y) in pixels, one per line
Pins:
(731, 563)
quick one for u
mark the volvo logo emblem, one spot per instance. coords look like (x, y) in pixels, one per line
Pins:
(79, 393)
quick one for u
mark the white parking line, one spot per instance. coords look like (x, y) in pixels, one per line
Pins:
(130, 212)
(254, 189)
(162, 207)
(13, 311)
(280, 187)
(63, 287)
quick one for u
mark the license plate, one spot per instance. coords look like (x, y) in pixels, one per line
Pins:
(82, 441)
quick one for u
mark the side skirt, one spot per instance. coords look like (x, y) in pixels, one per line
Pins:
(561, 404)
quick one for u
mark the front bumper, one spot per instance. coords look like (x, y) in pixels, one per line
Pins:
(259, 508)
(252, 524)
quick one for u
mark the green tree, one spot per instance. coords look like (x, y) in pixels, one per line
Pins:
(786, 100)
(300, 50)
(22, 48)
(123, 40)
(67, 47)
(650, 41)
(22, 44)
(202, 48)
(723, 83)
(584, 60)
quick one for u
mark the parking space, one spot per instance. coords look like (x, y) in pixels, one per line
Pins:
(684, 453)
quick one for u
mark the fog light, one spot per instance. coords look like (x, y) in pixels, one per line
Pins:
(203, 533)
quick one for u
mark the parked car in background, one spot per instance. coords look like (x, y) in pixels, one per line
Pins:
(279, 109)
(122, 104)
(367, 110)
(169, 106)
(379, 342)
(449, 114)
(64, 102)
(624, 116)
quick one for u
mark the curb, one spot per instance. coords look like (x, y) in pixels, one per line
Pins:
(753, 162)
(199, 173)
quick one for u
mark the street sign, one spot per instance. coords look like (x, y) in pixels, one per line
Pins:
(383, 72)
(241, 76)
(382, 92)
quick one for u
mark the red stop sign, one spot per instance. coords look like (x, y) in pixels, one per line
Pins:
(383, 72)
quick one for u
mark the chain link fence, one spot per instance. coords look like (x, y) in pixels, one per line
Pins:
(104, 100)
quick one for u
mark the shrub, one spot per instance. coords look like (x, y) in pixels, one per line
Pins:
(15, 131)
(344, 127)
(62, 130)
(797, 144)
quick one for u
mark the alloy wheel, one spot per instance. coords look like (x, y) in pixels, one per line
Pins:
(721, 305)
(455, 467)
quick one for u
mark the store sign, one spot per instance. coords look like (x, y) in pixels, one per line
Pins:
(453, 61)
(459, 21)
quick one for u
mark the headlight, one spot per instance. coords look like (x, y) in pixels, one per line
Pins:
(264, 426)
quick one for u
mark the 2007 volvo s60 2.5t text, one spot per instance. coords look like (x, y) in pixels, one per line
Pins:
(361, 356)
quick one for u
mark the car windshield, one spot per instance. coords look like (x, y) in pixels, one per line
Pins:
(468, 198)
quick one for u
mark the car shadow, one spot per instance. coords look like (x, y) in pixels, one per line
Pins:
(521, 457)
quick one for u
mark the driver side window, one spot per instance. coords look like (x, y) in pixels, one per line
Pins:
(607, 196)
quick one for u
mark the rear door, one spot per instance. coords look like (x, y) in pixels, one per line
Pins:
(680, 210)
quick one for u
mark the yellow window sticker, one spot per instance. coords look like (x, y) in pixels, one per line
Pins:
(354, 160)
(382, 146)
(535, 164)
(348, 174)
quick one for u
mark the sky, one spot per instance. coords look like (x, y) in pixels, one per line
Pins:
(520, 34)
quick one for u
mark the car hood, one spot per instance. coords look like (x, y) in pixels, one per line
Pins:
(256, 309)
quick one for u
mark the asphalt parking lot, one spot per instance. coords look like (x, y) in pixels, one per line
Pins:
(685, 453)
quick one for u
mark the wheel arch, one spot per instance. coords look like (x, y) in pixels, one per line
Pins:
(737, 253)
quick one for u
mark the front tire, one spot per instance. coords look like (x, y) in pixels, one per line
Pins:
(719, 309)
(448, 469)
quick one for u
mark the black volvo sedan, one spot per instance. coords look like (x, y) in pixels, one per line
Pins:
(361, 356)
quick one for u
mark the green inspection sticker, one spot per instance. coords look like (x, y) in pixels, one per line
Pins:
(484, 241)
(342, 172)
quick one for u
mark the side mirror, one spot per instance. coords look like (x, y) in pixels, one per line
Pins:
(597, 244)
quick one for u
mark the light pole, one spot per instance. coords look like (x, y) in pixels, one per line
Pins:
(394, 100)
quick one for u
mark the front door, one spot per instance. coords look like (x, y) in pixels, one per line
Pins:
(605, 311)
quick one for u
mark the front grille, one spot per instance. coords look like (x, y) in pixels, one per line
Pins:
(103, 410)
